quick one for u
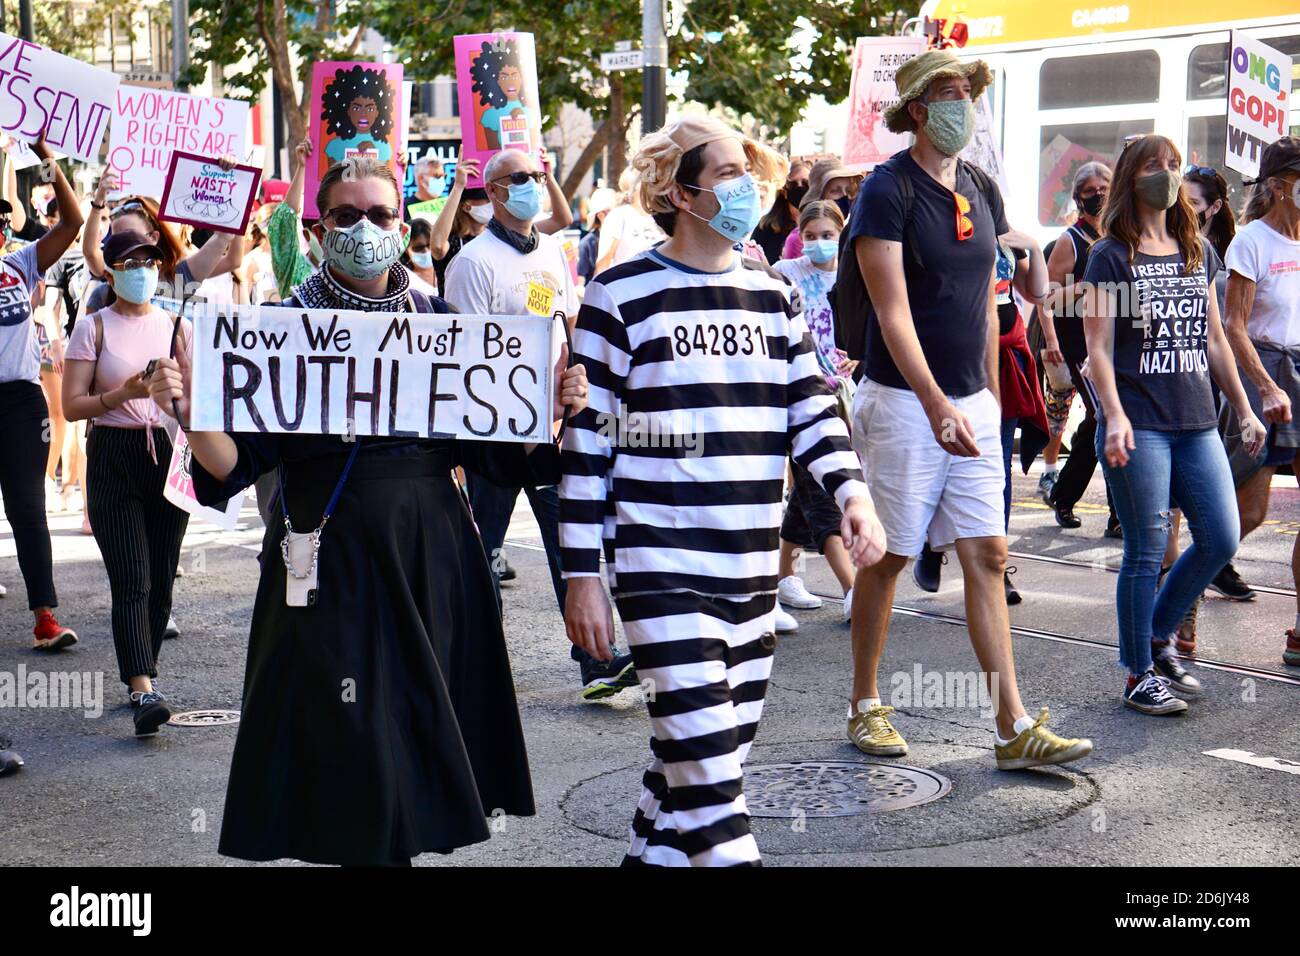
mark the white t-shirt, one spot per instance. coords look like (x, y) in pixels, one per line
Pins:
(20, 353)
(635, 231)
(489, 277)
(1272, 262)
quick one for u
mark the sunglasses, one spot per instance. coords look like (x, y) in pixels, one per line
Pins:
(382, 216)
(965, 228)
(131, 265)
(1208, 171)
(518, 179)
(131, 205)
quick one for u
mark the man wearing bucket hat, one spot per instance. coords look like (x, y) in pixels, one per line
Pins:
(708, 347)
(926, 419)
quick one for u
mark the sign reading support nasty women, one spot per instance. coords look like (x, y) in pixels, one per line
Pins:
(1259, 91)
(43, 90)
(327, 372)
(200, 193)
(871, 90)
(148, 124)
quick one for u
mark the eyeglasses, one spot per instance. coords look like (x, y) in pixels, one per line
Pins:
(518, 179)
(382, 216)
(965, 228)
(131, 265)
(1208, 171)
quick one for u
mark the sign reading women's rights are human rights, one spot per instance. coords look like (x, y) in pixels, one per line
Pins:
(399, 374)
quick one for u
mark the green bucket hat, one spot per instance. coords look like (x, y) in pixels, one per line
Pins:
(915, 76)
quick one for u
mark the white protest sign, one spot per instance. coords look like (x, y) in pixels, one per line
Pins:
(327, 372)
(1259, 93)
(149, 124)
(871, 90)
(41, 89)
(179, 489)
(200, 193)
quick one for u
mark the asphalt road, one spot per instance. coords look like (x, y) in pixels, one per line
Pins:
(1156, 791)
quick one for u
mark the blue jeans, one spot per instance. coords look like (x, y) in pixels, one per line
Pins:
(1194, 467)
(493, 505)
(1008, 439)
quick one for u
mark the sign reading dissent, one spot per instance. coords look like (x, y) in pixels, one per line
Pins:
(401, 374)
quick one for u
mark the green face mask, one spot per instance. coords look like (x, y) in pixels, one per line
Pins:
(1159, 190)
(950, 125)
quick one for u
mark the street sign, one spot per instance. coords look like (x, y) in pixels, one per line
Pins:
(157, 81)
(621, 60)
(622, 46)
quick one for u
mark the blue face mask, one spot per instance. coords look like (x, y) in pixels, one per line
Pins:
(422, 260)
(525, 202)
(821, 251)
(739, 207)
(135, 285)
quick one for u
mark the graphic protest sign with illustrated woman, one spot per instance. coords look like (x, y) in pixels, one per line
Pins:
(356, 109)
(496, 78)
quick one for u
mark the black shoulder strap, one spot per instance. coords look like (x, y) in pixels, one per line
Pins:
(983, 182)
(909, 200)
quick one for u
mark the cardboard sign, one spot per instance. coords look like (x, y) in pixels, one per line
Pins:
(327, 372)
(983, 150)
(496, 79)
(1259, 94)
(200, 193)
(179, 489)
(43, 90)
(356, 109)
(871, 91)
(148, 124)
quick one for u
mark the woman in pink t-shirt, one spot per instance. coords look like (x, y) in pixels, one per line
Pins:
(127, 457)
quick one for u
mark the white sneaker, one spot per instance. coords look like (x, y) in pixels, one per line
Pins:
(785, 624)
(791, 591)
(53, 503)
(848, 606)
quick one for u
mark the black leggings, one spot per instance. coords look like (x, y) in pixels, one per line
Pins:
(139, 534)
(24, 450)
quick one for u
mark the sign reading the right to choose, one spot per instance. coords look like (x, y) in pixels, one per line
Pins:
(871, 90)
(326, 372)
(1259, 93)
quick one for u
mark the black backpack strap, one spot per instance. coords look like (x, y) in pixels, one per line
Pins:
(909, 234)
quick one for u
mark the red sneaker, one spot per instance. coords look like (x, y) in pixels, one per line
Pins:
(51, 635)
(1292, 653)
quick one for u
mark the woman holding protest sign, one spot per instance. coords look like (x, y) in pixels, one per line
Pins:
(24, 414)
(378, 720)
(128, 454)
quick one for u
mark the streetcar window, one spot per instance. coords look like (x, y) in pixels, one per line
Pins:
(1207, 73)
(1205, 147)
(1106, 79)
(1063, 149)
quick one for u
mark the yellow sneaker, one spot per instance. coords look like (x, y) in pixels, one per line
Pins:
(1037, 746)
(873, 734)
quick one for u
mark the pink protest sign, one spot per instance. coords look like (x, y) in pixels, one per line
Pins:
(496, 78)
(44, 90)
(872, 89)
(179, 489)
(356, 109)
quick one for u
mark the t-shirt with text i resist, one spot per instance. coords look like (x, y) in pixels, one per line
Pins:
(1162, 369)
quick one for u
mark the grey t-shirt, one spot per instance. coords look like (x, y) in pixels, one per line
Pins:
(20, 353)
(1162, 369)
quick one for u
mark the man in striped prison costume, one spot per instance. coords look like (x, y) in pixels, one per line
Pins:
(703, 377)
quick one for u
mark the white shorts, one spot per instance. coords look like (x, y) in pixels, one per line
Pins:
(915, 484)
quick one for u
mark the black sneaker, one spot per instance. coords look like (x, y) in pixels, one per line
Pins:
(1164, 660)
(603, 679)
(151, 712)
(507, 572)
(9, 762)
(1065, 517)
(1113, 528)
(1013, 596)
(1229, 584)
(1151, 696)
(927, 569)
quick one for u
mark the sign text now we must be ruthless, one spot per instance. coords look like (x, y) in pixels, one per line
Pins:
(365, 373)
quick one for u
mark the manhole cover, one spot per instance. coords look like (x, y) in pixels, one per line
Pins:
(205, 718)
(837, 788)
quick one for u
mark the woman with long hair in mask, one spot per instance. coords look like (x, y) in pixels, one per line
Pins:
(1154, 341)
(777, 222)
(428, 743)
(128, 453)
(829, 181)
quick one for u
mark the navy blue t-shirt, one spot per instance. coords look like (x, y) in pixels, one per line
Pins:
(1162, 369)
(949, 298)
